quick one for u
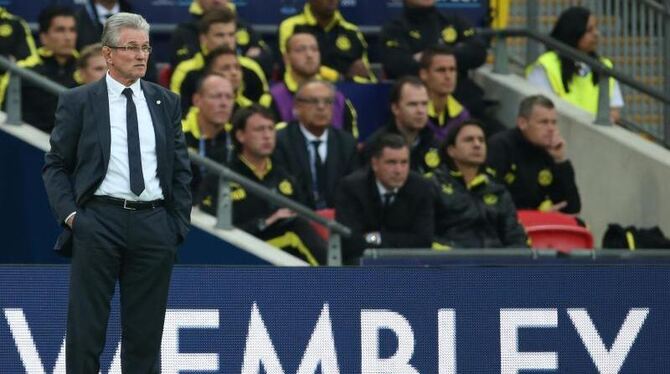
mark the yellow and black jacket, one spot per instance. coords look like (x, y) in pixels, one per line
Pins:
(38, 106)
(185, 41)
(15, 37)
(186, 74)
(478, 215)
(531, 175)
(340, 43)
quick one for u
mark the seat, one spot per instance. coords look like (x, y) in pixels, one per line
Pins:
(319, 228)
(563, 238)
(164, 76)
(529, 218)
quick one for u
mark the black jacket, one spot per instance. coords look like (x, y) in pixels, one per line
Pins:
(15, 39)
(530, 174)
(425, 155)
(481, 216)
(406, 223)
(419, 28)
(293, 155)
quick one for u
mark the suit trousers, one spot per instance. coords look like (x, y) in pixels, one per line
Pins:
(136, 248)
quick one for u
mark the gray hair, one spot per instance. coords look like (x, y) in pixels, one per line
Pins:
(528, 104)
(330, 86)
(119, 21)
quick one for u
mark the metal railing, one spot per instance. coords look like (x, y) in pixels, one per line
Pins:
(501, 66)
(633, 36)
(225, 205)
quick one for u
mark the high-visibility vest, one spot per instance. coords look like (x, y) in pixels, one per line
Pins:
(583, 93)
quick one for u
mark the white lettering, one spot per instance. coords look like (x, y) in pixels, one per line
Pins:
(173, 362)
(372, 321)
(259, 349)
(608, 361)
(321, 348)
(446, 341)
(511, 320)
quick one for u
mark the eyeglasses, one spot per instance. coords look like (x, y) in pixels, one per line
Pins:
(133, 48)
(327, 101)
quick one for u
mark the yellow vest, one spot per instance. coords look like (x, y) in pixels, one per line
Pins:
(583, 93)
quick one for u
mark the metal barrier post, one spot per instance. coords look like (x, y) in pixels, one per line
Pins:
(532, 19)
(334, 249)
(603, 115)
(501, 62)
(224, 211)
(13, 97)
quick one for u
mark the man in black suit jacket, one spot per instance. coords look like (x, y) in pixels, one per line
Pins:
(117, 177)
(319, 172)
(386, 206)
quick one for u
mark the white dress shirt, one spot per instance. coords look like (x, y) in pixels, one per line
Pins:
(104, 13)
(383, 191)
(117, 180)
(323, 147)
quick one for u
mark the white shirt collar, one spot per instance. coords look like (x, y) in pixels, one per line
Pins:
(382, 190)
(102, 11)
(115, 88)
(311, 137)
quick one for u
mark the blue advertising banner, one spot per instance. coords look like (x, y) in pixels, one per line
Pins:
(267, 12)
(456, 319)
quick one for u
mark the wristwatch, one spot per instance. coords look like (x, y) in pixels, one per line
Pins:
(373, 238)
(261, 225)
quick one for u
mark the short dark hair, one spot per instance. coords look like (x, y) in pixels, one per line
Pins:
(241, 117)
(430, 53)
(300, 32)
(450, 139)
(201, 80)
(396, 90)
(49, 13)
(223, 15)
(215, 53)
(388, 140)
(528, 103)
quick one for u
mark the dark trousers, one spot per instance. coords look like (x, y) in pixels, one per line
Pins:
(137, 248)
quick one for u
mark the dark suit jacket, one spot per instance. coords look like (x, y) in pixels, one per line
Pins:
(406, 223)
(293, 155)
(80, 145)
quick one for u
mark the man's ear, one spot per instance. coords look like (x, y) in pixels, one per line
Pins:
(423, 75)
(522, 123)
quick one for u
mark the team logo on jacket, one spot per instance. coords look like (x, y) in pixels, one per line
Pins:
(6, 31)
(242, 37)
(415, 34)
(544, 177)
(432, 158)
(449, 34)
(238, 193)
(343, 43)
(448, 189)
(285, 187)
(490, 199)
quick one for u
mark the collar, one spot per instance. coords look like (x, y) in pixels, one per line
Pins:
(311, 19)
(479, 180)
(292, 85)
(311, 137)
(258, 173)
(115, 88)
(190, 123)
(383, 190)
(102, 11)
(43, 52)
(196, 10)
(453, 109)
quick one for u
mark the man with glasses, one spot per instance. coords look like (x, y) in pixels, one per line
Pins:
(303, 63)
(118, 180)
(314, 151)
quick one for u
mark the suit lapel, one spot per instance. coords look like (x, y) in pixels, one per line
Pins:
(332, 161)
(101, 102)
(302, 153)
(155, 102)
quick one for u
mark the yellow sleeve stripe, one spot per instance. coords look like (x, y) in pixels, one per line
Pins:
(185, 67)
(290, 239)
(252, 65)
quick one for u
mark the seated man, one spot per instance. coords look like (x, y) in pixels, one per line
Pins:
(303, 63)
(386, 205)
(409, 106)
(312, 149)
(438, 72)
(471, 209)
(532, 161)
(91, 66)
(342, 45)
(422, 25)
(56, 60)
(207, 125)
(17, 41)
(185, 41)
(254, 139)
(217, 29)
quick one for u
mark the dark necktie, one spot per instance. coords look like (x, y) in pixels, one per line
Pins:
(134, 155)
(388, 199)
(319, 177)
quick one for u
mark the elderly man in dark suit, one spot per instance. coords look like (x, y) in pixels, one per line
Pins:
(386, 206)
(117, 177)
(317, 154)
